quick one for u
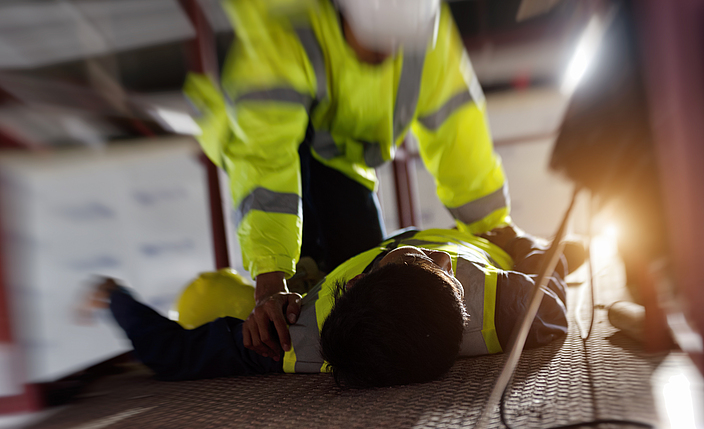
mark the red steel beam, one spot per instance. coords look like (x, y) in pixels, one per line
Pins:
(204, 60)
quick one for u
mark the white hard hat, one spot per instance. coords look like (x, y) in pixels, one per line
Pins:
(386, 25)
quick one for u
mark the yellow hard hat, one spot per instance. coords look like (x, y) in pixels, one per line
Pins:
(212, 295)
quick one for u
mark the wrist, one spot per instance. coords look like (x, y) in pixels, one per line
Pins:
(268, 284)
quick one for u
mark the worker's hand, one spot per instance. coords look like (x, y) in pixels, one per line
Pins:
(97, 297)
(259, 335)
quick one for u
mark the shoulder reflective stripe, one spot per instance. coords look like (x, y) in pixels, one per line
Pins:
(286, 95)
(372, 154)
(437, 118)
(268, 201)
(476, 90)
(472, 279)
(315, 55)
(407, 93)
(482, 207)
(489, 328)
(305, 337)
(324, 145)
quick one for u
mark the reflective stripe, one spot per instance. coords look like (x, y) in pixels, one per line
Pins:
(482, 207)
(324, 145)
(407, 93)
(286, 95)
(461, 251)
(315, 55)
(476, 90)
(305, 336)
(372, 154)
(491, 339)
(473, 280)
(268, 201)
(437, 118)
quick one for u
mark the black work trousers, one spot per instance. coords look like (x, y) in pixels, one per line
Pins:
(341, 217)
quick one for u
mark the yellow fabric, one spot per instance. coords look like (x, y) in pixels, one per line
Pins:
(256, 140)
(290, 362)
(459, 154)
(212, 115)
(491, 339)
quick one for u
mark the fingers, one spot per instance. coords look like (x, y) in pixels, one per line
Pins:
(251, 338)
(259, 335)
(264, 327)
(293, 307)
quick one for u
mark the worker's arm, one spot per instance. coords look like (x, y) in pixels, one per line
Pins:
(514, 291)
(268, 87)
(214, 349)
(453, 133)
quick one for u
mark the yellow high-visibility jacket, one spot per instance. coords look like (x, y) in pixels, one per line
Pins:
(286, 71)
(475, 262)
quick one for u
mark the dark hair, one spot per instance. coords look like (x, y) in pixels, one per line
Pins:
(399, 324)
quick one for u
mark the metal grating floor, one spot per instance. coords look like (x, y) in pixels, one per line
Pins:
(553, 385)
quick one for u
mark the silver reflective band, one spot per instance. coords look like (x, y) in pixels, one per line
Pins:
(286, 95)
(482, 207)
(437, 118)
(317, 60)
(305, 336)
(372, 154)
(324, 145)
(268, 201)
(472, 279)
(407, 93)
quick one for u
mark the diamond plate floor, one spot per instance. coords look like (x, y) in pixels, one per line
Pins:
(553, 385)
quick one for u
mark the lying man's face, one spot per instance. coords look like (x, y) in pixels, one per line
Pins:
(437, 261)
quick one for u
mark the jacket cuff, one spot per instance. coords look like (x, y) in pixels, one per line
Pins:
(270, 264)
(497, 219)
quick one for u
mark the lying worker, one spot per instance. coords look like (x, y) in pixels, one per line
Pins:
(396, 314)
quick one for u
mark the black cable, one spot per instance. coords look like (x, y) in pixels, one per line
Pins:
(596, 422)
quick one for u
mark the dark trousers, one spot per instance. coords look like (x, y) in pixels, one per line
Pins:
(341, 217)
(174, 353)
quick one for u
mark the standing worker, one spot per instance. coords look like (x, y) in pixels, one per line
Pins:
(314, 95)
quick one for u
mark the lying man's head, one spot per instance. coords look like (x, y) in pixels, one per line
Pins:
(401, 323)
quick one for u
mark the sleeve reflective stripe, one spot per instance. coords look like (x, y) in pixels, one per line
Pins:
(305, 339)
(491, 339)
(408, 92)
(324, 145)
(437, 118)
(286, 95)
(268, 201)
(372, 154)
(315, 55)
(481, 207)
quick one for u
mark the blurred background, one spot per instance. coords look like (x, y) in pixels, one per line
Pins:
(100, 172)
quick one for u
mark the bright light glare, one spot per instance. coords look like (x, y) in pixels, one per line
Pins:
(678, 402)
(177, 122)
(173, 315)
(611, 231)
(583, 55)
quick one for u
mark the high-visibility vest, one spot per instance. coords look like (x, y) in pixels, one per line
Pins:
(475, 263)
(285, 73)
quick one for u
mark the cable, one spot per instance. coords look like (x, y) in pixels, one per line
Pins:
(596, 422)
